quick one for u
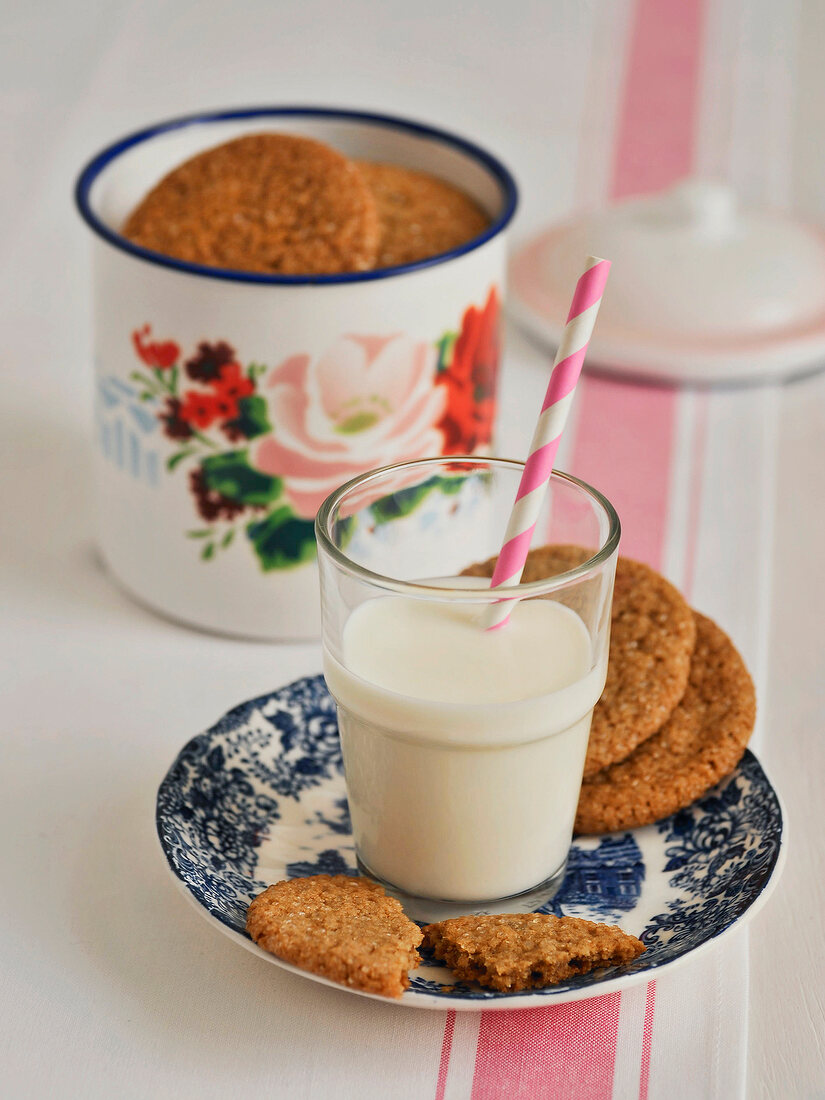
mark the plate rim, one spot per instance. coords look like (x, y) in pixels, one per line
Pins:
(444, 1002)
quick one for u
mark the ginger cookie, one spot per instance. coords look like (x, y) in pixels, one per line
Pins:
(269, 203)
(652, 635)
(527, 950)
(419, 215)
(341, 927)
(701, 743)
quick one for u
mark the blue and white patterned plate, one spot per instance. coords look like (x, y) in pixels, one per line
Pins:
(260, 797)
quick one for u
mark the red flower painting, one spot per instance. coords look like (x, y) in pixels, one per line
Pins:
(158, 354)
(470, 381)
(232, 384)
(199, 408)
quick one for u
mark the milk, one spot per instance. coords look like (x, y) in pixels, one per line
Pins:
(463, 748)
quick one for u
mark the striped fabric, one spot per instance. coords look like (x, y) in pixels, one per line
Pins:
(586, 100)
(651, 450)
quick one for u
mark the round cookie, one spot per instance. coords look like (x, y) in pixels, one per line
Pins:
(420, 215)
(652, 635)
(701, 743)
(269, 203)
(342, 927)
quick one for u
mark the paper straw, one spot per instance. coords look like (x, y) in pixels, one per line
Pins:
(539, 466)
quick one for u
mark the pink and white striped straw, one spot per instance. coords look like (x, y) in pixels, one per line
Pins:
(539, 466)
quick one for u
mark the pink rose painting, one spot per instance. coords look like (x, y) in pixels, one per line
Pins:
(263, 447)
(368, 401)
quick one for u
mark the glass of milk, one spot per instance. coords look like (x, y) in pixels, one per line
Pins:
(463, 748)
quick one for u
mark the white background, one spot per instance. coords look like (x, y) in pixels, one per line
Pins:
(112, 984)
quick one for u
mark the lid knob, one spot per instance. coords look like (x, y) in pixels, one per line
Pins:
(708, 206)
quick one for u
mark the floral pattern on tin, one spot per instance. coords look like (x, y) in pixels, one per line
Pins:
(262, 447)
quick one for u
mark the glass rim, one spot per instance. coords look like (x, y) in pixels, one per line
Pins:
(470, 595)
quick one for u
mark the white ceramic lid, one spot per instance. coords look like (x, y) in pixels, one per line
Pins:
(700, 287)
(692, 260)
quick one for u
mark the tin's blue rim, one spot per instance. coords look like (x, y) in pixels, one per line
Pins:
(97, 164)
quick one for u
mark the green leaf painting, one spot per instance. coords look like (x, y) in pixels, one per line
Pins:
(252, 419)
(281, 540)
(231, 475)
(403, 502)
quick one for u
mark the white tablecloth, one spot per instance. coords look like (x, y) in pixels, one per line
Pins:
(111, 985)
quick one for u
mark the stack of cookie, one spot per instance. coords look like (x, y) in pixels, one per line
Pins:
(677, 710)
(678, 706)
(286, 204)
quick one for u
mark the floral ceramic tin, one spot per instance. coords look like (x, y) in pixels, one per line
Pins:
(229, 404)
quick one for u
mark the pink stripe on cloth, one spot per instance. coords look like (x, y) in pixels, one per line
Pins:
(647, 1036)
(561, 1053)
(657, 121)
(446, 1047)
(623, 446)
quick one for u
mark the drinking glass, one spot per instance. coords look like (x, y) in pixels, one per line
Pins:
(463, 787)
